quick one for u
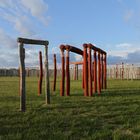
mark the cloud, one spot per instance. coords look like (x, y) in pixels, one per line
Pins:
(6, 40)
(9, 59)
(111, 60)
(23, 18)
(133, 57)
(23, 15)
(122, 49)
(123, 52)
(36, 7)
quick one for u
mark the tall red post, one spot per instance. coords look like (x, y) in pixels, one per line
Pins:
(99, 74)
(105, 71)
(85, 71)
(67, 74)
(89, 71)
(40, 74)
(62, 85)
(83, 85)
(55, 72)
(95, 71)
(92, 69)
(102, 71)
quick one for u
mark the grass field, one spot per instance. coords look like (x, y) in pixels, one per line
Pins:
(113, 115)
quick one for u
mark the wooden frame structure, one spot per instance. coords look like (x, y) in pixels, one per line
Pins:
(21, 42)
(102, 69)
(89, 74)
(68, 49)
(76, 64)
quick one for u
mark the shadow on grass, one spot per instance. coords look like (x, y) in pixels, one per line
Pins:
(121, 92)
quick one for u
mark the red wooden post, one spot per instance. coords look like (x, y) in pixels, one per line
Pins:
(41, 74)
(99, 74)
(83, 85)
(95, 72)
(55, 73)
(63, 72)
(67, 74)
(85, 70)
(102, 71)
(105, 71)
(89, 71)
(92, 69)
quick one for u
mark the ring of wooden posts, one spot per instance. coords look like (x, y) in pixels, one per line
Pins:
(88, 72)
(21, 42)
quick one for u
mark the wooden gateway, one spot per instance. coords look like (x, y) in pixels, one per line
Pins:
(21, 42)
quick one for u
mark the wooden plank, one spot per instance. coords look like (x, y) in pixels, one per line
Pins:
(77, 63)
(96, 49)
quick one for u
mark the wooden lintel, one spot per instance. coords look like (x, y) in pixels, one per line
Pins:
(77, 63)
(71, 49)
(96, 49)
(32, 41)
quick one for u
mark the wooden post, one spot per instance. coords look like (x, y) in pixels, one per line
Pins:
(85, 71)
(105, 72)
(83, 85)
(92, 69)
(40, 74)
(47, 82)
(102, 71)
(67, 74)
(99, 74)
(89, 72)
(22, 78)
(95, 72)
(55, 73)
(63, 73)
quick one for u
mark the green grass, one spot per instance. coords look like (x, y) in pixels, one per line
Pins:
(113, 115)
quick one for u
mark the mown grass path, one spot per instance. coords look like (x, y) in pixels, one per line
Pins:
(113, 115)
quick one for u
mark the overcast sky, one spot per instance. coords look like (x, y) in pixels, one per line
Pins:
(112, 25)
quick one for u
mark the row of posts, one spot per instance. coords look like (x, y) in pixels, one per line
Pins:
(89, 74)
